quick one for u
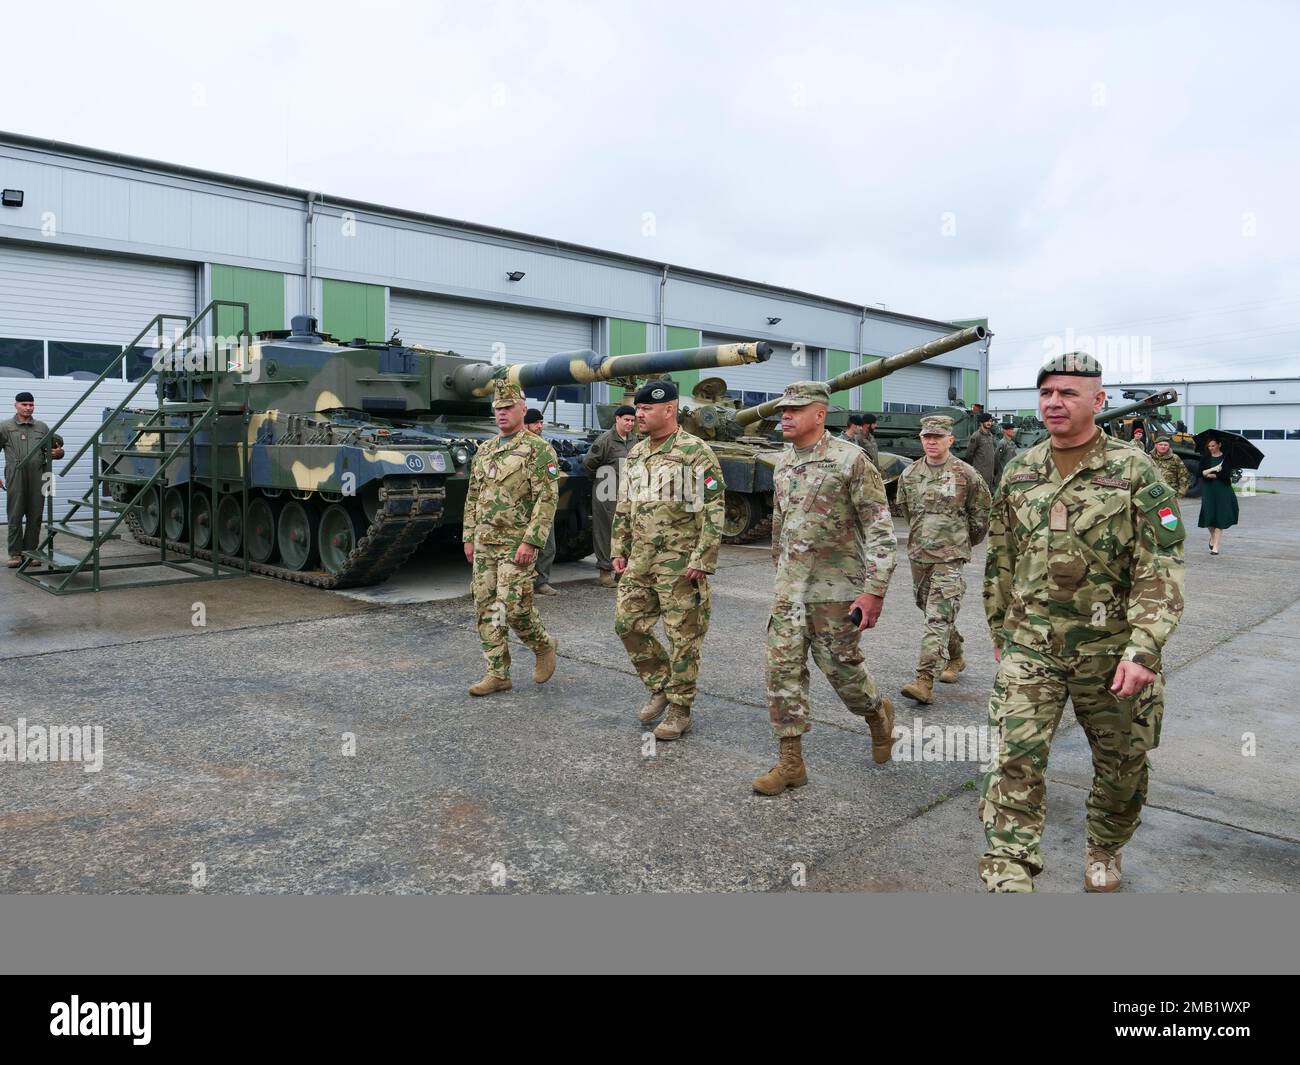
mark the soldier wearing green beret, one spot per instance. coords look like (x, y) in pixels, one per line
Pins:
(1083, 587)
(1171, 467)
(509, 509)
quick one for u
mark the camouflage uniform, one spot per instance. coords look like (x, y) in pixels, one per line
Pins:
(1066, 605)
(947, 511)
(669, 519)
(1173, 471)
(511, 500)
(1004, 451)
(867, 441)
(24, 497)
(980, 454)
(832, 541)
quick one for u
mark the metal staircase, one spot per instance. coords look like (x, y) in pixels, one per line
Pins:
(175, 436)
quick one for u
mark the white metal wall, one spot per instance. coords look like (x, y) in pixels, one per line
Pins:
(919, 384)
(771, 376)
(1281, 457)
(480, 330)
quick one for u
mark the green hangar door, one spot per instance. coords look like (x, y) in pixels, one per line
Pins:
(482, 330)
(760, 382)
(64, 316)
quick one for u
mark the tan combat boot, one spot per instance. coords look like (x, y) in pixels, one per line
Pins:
(606, 578)
(921, 689)
(789, 771)
(654, 709)
(1101, 869)
(676, 724)
(882, 733)
(490, 684)
(545, 667)
(950, 671)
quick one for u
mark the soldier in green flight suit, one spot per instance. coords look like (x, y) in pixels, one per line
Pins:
(19, 437)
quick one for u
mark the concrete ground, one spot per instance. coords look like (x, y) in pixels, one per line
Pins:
(224, 745)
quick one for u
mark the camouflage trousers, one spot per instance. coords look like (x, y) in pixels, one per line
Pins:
(1029, 695)
(684, 607)
(503, 599)
(939, 587)
(825, 629)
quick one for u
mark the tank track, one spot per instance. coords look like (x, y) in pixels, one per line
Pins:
(409, 509)
(760, 529)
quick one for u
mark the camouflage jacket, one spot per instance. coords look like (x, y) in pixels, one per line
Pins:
(1003, 452)
(1174, 472)
(670, 508)
(867, 441)
(832, 536)
(1109, 582)
(980, 454)
(946, 507)
(513, 491)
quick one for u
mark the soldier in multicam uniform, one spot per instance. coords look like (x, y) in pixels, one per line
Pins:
(1171, 467)
(667, 530)
(1084, 585)
(509, 509)
(946, 504)
(834, 549)
(1003, 452)
(980, 452)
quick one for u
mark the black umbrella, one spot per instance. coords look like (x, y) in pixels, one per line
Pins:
(1239, 451)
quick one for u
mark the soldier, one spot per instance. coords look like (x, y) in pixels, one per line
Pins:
(946, 504)
(1004, 451)
(980, 450)
(667, 531)
(20, 436)
(833, 547)
(1084, 585)
(1171, 468)
(509, 510)
(608, 453)
(867, 439)
(533, 422)
(853, 431)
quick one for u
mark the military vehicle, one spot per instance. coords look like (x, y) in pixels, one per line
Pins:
(322, 462)
(747, 450)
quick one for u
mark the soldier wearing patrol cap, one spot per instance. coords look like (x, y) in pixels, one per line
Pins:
(667, 531)
(509, 510)
(1083, 587)
(946, 504)
(834, 550)
(981, 452)
(20, 436)
(1171, 467)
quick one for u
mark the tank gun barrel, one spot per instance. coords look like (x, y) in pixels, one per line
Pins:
(879, 368)
(475, 380)
(1158, 399)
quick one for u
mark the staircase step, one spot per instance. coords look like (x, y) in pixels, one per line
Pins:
(125, 478)
(161, 428)
(58, 559)
(80, 532)
(131, 454)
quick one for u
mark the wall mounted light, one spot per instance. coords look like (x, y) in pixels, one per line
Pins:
(12, 197)
(774, 321)
(515, 275)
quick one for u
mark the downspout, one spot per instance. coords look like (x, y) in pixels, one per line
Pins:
(663, 285)
(862, 325)
(309, 293)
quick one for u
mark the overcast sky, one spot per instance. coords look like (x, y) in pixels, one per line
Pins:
(1126, 171)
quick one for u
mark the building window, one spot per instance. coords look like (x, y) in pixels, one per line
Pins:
(81, 362)
(1293, 434)
(1274, 434)
(1251, 434)
(564, 394)
(22, 358)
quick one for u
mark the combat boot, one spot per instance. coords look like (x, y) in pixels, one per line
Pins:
(882, 733)
(545, 667)
(676, 724)
(789, 771)
(490, 684)
(606, 578)
(654, 709)
(547, 589)
(921, 689)
(1101, 869)
(950, 671)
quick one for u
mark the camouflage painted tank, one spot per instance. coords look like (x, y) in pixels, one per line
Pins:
(747, 448)
(356, 453)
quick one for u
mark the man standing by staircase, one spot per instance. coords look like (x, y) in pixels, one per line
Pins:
(19, 437)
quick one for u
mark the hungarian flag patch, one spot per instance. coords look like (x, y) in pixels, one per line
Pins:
(1167, 517)
(710, 483)
(552, 469)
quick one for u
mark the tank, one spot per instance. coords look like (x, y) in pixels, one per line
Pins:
(335, 462)
(748, 446)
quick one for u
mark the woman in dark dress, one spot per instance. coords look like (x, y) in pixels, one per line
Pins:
(1218, 500)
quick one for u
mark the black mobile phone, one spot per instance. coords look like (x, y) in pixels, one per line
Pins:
(855, 615)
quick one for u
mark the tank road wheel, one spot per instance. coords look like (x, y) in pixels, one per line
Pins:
(230, 525)
(738, 518)
(173, 515)
(341, 528)
(150, 512)
(296, 535)
(201, 520)
(261, 530)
